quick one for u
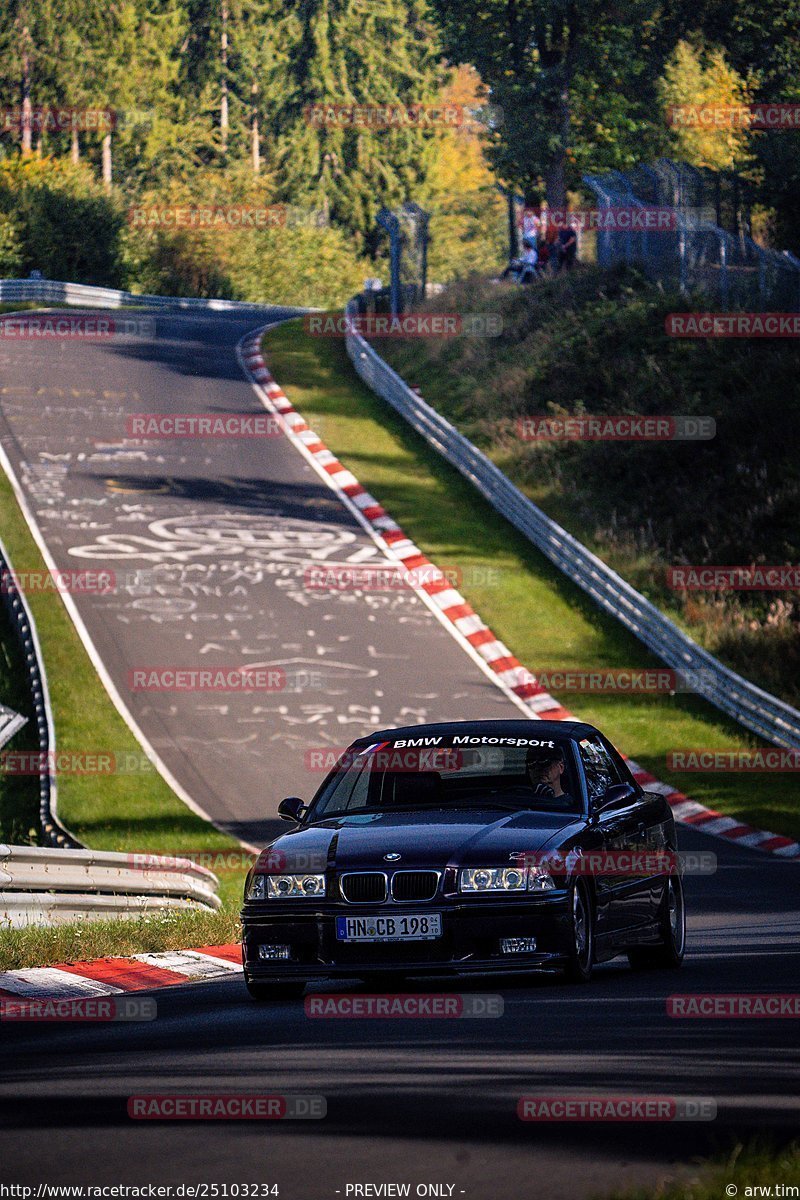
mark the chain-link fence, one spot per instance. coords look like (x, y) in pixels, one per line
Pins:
(684, 246)
(720, 198)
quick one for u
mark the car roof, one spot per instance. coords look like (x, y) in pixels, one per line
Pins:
(507, 728)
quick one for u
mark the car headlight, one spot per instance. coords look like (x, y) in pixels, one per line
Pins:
(493, 879)
(506, 879)
(293, 887)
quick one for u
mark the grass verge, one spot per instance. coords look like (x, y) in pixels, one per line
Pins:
(594, 342)
(538, 613)
(747, 1170)
(147, 934)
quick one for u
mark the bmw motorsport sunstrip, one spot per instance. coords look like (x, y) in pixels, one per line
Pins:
(466, 848)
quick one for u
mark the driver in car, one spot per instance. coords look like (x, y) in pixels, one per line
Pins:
(544, 770)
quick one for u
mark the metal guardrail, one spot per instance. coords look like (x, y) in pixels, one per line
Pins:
(42, 885)
(21, 909)
(753, 708)
(48, 291)
(53, 832)
(10, 723)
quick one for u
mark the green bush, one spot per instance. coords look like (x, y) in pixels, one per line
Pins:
(289, 259)
(57, 219)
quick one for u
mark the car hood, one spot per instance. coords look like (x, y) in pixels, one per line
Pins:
(433, 838)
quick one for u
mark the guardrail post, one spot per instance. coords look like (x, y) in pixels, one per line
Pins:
(423, 221)
(762, 280)
(682, 260)
(795, 264)
(388, 221)
(723, 267)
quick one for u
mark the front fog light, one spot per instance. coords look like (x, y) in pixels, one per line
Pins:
(256, 888)
(540, 879)
(272, 952)
(518, 945)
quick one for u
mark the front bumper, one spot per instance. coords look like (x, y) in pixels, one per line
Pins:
(469, 945)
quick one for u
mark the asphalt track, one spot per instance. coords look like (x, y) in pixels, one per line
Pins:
(210, 543)
(417, 1101)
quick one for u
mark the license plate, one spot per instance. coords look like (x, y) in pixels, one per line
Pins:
(408, 928)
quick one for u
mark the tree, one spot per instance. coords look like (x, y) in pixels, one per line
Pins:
(369, 53)
(469, 219)
(567, 74)
(762, 43)
(698, 76)
(262, 34)
(37, 58)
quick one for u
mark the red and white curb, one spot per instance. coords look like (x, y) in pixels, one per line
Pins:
(495, 659)
(112, 976)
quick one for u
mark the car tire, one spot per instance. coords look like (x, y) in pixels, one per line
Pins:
(669, 952)
(274, 992)
(579, 964)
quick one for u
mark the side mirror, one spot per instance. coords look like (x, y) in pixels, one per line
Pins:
(614, 795)
(291, 809)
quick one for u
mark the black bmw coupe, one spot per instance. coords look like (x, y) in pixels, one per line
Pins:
(466, 848)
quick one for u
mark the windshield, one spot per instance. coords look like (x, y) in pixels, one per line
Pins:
(385, 776)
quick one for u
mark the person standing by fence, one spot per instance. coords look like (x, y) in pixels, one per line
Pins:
(567, 247)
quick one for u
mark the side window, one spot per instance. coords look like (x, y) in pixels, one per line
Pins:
(623, 772)
(599, 767)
